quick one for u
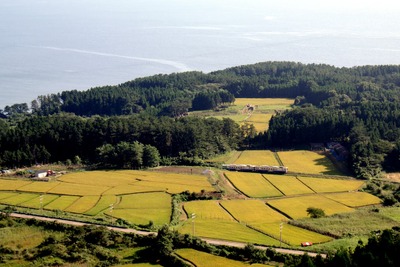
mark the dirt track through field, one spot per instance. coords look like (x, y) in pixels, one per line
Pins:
(138, 232)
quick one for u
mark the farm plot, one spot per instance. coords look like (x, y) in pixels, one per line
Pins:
(321, 185)
(288, 185)
(4, 195)
(61, 203)
(261, 217)
(78, 189)
(38, 187)
(39, 201)
(135, 188)
(206, 210)
(252, 184)
(226, 230)
(213, 221)
(291, 235)
(83, 204)
(257, 157)
(203, 259)
(104, 178)
(252, 211)
(260, 121)
(266, 103)
(296, 207)
(142, 208)
(126, 182)
(103, 204)
(303, 161)
(11, 185)
(18, 198)
(354, 199)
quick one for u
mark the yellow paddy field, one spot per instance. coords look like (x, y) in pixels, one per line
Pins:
(203, 259)
(304, 161)
(257, 157)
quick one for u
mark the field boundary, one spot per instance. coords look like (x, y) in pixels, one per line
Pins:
(278, 158)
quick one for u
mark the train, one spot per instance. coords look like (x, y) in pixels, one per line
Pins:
(255, 168)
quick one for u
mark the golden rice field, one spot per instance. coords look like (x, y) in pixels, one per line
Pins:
(129, 181)
(288, 185)
(11, 185)
(142, 208)
(103, 204)
(354, 199)
(304, 161)
(206, 210)
(61, 203)
(212, 221)
(291, 235)
(296, 207)
(226, 230)
(38, 187)
(321, 185)
(257, 157)
(83, 204)
(78, 189)
(203, 259)
(271, 103)
(16, 199)
(4, 195)
(252, 211)
(252, 184)
(39, 201)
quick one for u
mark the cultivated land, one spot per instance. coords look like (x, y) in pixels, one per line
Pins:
(202, 259)
(255, 111)
(271, 211)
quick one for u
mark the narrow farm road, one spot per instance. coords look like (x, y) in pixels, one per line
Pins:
(138, 232)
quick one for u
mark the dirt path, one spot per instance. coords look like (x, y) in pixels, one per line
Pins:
(138, 232)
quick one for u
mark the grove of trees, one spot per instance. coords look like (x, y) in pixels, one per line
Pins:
(358, 107)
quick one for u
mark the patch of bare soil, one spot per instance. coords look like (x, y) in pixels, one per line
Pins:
(393, 177)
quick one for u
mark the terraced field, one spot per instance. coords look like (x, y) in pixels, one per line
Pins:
(296, 207)
(257, 157)
(253, 184)
(304, 161)
(202, 259)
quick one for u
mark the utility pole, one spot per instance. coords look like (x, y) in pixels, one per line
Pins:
(111, 210)
(193, 217)
(280, 234)
(41, 203)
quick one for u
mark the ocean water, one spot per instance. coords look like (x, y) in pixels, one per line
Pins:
(48, 46)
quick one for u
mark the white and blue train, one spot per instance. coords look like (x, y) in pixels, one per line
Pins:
(255, 168)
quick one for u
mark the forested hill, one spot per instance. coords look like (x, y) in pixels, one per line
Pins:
(358, 106)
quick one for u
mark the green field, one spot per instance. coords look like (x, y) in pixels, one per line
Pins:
(61, 203)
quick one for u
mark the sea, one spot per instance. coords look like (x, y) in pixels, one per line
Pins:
(50, 46)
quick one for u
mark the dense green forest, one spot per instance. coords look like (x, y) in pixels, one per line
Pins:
(358, 107)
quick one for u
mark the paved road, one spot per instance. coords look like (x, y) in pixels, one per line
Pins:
(125, 230)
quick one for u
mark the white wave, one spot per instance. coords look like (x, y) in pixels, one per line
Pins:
(178, 65)
(203, 28)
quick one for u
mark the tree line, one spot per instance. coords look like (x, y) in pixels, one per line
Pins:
(135, 141)
(356, 106)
